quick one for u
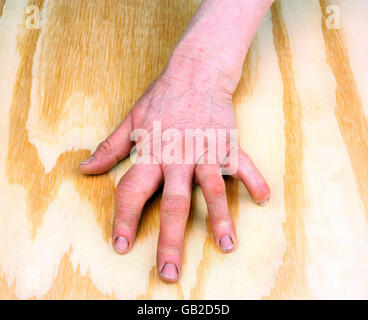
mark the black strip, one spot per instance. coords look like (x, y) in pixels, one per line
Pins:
(194, 309)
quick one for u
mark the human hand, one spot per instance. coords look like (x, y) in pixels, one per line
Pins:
(176, 102)
(193, 92)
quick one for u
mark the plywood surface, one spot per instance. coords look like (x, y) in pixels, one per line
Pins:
(301, 106)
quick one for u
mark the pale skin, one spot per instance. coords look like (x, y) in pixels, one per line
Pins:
(193, 91)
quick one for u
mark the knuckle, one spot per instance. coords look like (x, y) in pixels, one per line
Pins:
(175, 205)
(126, 218)
(220, 221)
(105, 147)
(164, 250)
(215, 185)
(127, 207)
(128, 188)
(126, 212)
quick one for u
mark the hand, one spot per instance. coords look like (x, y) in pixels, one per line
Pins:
(189, 94)
(193, 92)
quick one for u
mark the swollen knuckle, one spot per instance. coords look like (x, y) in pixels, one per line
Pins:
(125, 208)
(175, 204)
(215, 185)
(220, 221)
(169, 250)
(105, 147)
(126, 218)
(124, 204)
(128, 189)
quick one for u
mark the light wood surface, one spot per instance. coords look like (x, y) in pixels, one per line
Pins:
(301, 106)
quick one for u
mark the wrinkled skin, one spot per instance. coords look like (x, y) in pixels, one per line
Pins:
(177, 102)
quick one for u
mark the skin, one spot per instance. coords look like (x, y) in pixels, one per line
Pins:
(193, 91)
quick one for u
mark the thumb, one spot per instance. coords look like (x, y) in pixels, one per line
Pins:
(115, 148)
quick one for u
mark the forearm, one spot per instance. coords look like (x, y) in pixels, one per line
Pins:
(217, 39)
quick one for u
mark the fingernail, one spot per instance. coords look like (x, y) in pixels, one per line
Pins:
(264, 203)
(121, 244)
(87, 161)
(169, 271)
(226, 243)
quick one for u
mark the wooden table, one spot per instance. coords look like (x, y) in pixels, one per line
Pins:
(71, 70)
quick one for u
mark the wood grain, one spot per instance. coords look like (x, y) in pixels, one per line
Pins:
(302, 111)
(290, 281)
(350, 112)
(2, 4)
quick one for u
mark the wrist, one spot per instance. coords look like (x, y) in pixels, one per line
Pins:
(189, 64)
(212, 49)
